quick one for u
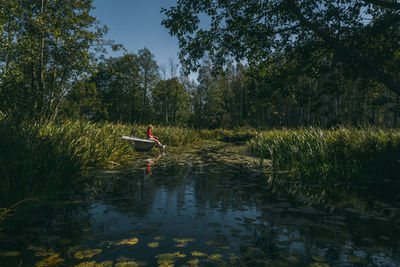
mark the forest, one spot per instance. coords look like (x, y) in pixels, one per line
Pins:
(252, 69)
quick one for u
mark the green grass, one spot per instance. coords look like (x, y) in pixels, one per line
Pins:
(35, 156)
(338, 154)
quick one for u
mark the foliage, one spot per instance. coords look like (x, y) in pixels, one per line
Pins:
(39, 155)
(338, 154)
(45, 48)
(171, 102)
(313, 63)
(348, 31)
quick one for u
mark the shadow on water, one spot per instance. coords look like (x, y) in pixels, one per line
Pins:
(203, 206)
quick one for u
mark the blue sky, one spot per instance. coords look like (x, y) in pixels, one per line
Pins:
(137, 24)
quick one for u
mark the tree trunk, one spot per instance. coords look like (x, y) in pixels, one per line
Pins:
(41, 59)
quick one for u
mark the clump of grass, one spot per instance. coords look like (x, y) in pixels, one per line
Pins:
(234, 135)
(335, 153)
(175, 136)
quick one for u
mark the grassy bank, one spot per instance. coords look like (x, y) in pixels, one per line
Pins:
(36, 156)
(339, 154)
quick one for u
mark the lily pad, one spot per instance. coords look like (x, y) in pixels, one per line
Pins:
(194, 262)
(86, 264)
(88, 253)
(159, 237)
(95, 264)
(182, 242)
(131, 241)
(153, 244)
(216, 257)
(168, 259)
(49, 261)
(127, 264)
(198, 254)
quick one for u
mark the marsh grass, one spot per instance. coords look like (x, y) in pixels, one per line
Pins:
(340, 153)
(228, 135)
(32, 156)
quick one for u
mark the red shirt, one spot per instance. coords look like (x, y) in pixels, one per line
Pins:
(149, 133)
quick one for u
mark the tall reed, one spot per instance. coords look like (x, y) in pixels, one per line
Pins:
(32, 156)
(335, 153)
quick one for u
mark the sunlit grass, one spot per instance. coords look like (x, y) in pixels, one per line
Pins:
(334, 153)
(32, 156)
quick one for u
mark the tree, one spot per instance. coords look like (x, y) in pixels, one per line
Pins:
(171, 102)
(119, 83)
(148, 71)
(207, 102)
(362, 36)
(48, 46)
(83, 102)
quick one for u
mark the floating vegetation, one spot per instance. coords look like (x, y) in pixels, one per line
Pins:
(198, 254)
(88, 253)
(182, 242)
(130, 242)
(194, 262)
(319, 264)
(153, 244)
(49, 261)
(41, 251)
(6, 253)
(159, 237)
(130, 263)
(168, 259)
(216, 257)
(353, 259)
(95, 264)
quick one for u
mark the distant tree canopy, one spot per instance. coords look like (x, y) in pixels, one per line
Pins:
(362, 36)
(309, 62)
(281, 63)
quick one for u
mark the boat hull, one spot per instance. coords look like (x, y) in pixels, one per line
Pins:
(140, 144)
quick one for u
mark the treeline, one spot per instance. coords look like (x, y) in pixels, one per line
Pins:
(52, 66)
(132, 89)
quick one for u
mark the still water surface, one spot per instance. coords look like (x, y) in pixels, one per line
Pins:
(204, 206)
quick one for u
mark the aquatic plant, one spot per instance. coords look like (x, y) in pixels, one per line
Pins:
(228, 135)
(34, 155)
(338, 153)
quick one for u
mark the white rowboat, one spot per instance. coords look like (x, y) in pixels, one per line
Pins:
(140, 144)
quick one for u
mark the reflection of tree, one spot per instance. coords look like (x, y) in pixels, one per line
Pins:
(325, 193)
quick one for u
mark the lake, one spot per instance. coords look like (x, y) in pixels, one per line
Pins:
(206, 205)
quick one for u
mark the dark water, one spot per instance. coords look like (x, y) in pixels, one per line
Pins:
(205, 206)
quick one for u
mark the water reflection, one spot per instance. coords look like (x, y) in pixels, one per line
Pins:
(203, 207)
(150, 162)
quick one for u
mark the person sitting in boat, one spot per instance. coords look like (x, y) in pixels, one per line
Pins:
(151, 137)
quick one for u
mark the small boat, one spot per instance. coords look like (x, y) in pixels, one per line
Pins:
(140, 144)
